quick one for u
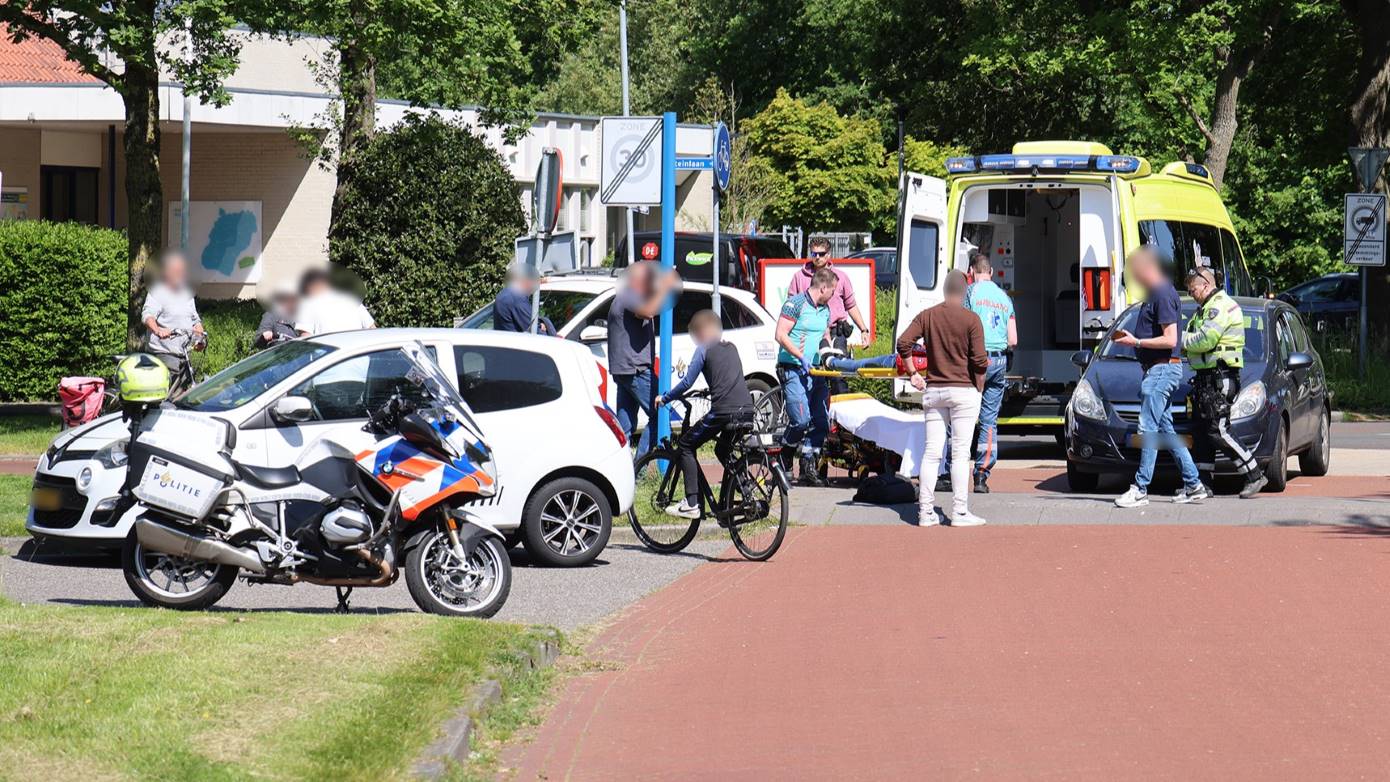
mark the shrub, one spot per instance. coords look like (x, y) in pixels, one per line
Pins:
(231, 328)
(428, 223)
(62, 304)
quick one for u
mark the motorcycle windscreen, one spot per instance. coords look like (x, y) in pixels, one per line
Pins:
(465, 436)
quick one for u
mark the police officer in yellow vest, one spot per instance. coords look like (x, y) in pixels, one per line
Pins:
(1214, 342)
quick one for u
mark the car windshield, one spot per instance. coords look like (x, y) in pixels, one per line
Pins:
(252, 376)
(557, 305)
(1254, 332)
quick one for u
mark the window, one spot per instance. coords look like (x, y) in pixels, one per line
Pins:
(1300, 334)
(1325, 289)
(68, 193)
(492, 378)
(736, 316)
(252, 376)
(1184, 245)
(351, 389)
(482, 319)
(1286, 341)
(1254, 332)
(586, 201)
(1233, 263)
(922, 253)
(562, 306)
(687, 304)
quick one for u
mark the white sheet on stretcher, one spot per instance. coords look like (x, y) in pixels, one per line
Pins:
(899, 431)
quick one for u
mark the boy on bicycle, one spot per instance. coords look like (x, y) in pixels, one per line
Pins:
(730, 403)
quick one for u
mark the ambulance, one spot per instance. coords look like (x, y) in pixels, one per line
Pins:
(1057, 219)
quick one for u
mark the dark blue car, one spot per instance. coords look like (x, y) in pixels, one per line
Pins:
(1284, 407)
(1332, 301)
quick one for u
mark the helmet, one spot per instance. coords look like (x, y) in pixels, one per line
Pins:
(141, 377)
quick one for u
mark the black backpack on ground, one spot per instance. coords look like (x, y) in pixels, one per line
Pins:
(885, 490)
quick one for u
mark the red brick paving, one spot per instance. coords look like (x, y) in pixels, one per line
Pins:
(1102, 653)
(18, 466)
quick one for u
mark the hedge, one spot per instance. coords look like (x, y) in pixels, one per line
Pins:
(62, 304)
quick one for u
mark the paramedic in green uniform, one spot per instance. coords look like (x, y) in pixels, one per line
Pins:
(1214, 343)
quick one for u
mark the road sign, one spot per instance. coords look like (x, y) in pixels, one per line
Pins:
(693, 163)
(630, 163)
(1367, 163)
(723, 155)
(546, 197)
(1364, 234)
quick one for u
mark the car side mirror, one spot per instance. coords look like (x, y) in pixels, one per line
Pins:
(1290, 298)
(1081, 358)
(292, 410)
(594, 333)
(1299, 361)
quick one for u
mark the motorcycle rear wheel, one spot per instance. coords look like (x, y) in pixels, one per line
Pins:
(441, 585)
(166, 581)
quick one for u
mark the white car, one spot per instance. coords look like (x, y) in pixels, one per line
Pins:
(564, 466)
(578, 306)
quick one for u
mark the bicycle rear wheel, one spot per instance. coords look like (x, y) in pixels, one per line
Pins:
(758, 504)
(656, 490)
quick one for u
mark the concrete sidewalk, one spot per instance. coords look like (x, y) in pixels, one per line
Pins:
(1008, 652)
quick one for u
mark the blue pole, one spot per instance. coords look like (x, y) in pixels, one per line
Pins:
(668, 260)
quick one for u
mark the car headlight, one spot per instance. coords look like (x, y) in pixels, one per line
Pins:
(112, 455)
(1249, 401)
(1085, 403)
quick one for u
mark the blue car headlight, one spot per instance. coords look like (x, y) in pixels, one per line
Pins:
(1085, 403)
(1249, 402)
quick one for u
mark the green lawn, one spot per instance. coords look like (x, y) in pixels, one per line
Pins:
(26, 435)
(14, 504)
(115, 693)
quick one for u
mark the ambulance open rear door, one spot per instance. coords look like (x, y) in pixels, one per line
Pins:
(923, 259)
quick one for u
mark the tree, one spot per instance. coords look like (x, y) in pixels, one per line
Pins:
(132, 30)
(429, 223)
(752, 182)
(827, 170)
(494, 53)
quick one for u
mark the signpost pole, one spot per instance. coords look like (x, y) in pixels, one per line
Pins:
(627, 111)
(1365, 326)
(716, 302)
(668, 261)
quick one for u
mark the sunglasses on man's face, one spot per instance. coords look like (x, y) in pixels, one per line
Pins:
(819, 253)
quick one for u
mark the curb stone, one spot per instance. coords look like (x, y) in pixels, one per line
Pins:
(456, 742)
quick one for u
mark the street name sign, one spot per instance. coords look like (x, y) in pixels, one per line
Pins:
(1364, 235)
(630, 161)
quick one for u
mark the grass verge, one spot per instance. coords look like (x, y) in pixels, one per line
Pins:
(14, 504)
(26, 435)
(146, 694)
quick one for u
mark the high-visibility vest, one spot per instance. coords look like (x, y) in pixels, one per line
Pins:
(1215, 332)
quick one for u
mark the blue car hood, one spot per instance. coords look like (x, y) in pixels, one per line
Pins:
(1117, 381)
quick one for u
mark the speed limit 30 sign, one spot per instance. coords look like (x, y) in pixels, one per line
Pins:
(630, 163)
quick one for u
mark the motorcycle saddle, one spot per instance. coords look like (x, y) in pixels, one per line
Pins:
(268, 477)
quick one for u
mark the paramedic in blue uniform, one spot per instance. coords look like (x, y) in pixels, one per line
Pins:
(996, 311)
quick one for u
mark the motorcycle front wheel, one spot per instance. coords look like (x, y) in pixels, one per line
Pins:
(166, 581)
(442, 584)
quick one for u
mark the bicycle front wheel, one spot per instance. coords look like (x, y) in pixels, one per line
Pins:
(659, 486)
(754, 500)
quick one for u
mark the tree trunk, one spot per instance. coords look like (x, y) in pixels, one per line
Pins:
(1370, 120)
(1223, 116)
(144, 192)
(357, 85)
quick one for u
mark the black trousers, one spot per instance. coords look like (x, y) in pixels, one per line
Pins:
(1213, 391)
(721, 425)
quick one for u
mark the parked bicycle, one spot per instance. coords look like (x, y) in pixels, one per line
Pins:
(753, 494)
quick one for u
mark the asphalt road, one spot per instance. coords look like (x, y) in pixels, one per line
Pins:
(563, 598)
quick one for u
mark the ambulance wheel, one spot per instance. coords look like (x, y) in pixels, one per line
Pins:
(1081, 481)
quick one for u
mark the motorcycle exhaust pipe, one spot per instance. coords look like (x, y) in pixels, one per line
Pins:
(386, 573)
(167, 540)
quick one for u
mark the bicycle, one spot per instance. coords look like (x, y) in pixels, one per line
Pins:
(752, 503)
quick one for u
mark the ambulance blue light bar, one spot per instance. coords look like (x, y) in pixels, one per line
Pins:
(1119, 164)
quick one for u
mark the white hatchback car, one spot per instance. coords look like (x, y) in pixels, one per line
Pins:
(563, 462)
(578, 306)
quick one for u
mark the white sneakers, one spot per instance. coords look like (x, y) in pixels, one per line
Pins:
(683, 510)
(1201, 492)
(930, 518)
(966, 519)
(1134, 498)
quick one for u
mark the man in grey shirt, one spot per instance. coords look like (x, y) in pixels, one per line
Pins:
(168, 308)
(631, 330)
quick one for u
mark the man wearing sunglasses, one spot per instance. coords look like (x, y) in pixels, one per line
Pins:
(844, 310)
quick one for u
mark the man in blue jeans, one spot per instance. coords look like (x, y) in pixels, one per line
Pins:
(1155, 343)
(803, 323)
(996, 311)
(631, 332)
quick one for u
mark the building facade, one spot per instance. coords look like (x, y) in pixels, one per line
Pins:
(252, 187)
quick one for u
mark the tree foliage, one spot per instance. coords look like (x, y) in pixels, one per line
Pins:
(430, 222)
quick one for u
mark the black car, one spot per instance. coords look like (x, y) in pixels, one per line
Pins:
(1331, 301)
(885, 266)
(1284, 407)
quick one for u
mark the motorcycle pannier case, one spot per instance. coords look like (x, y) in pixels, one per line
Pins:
(180, 462)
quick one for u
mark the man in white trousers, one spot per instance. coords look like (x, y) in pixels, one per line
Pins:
(956, 365)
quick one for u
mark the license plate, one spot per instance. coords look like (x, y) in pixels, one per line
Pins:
(46, 499)
(1136, 440)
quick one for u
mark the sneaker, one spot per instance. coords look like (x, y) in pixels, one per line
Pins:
(1134, 498)
(943, 483)
(827, 355)
(1198, 492)
(981, 484)
(1253, 486)
(966, 519)
(683, 510)
(928, 517)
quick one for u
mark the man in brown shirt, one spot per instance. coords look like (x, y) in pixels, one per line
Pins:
(956, 362)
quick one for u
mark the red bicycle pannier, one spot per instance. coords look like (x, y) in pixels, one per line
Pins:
(82, 398)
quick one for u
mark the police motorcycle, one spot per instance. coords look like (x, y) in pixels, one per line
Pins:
(355, 510)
